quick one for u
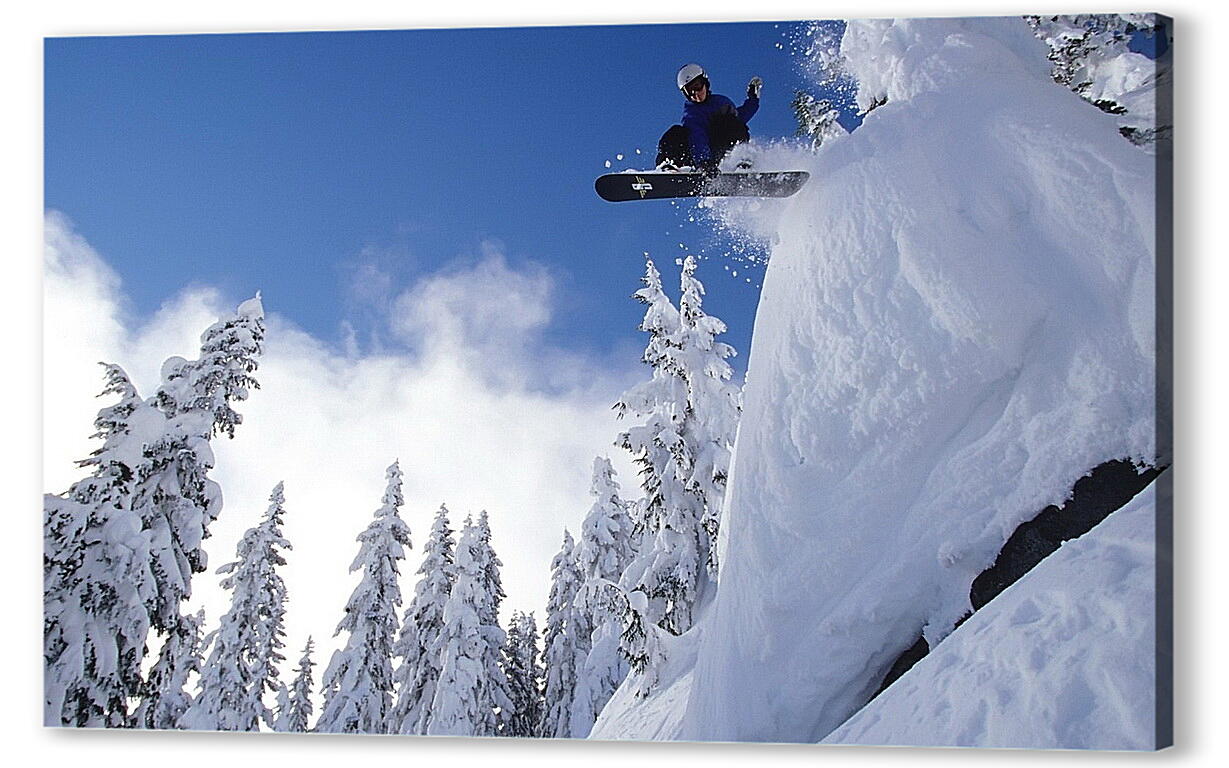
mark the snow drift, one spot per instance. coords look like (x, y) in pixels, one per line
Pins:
(956, 324)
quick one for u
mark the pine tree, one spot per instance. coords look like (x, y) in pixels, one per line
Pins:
(358, 684)
(460, 706)
(165, 696)
(524, 674)
(245, 648)
(492, 594)
(606, 545)
(495, 692)
(174, 496)
(96, 575)
(816, 118)
(714, 404)
(1090, 52)
(130, 534)
(294, 709)
(661, 400)
(641, 639)
(419, 644)
(223, 373)
(683, 448)
(604, 552)
(565, 649)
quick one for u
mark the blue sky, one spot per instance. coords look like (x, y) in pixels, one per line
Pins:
(297, 163)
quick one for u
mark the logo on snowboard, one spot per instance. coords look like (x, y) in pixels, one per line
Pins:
(642, 186)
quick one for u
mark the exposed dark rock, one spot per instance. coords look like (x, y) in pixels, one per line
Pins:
(1106, 488)
(1097, 494)
(904, 663)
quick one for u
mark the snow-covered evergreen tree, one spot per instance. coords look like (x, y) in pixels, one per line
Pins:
(1091, 55)
(662, 401)
(641, 639)
(492, 584)
(358, 683)
(603, 553)
(606, 544)
(524, 673)
(817, 118)
(246, 647)
(495, 690)
(165, 697)
(462, 705)
(564, 647)
(131, 533)
(713, 402)
(223, 372)
(294, 710)
(690, 411)
(418, 646)
(174, 496)
(97, 583)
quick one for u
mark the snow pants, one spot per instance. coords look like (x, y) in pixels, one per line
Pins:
(724, 131)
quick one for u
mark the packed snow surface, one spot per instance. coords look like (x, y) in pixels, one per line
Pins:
(1063, 659)
(956, 324)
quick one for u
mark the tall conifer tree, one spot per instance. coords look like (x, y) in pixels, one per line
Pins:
(419, 643)
(690, 412)
(661, 401)
(495, 690)
(295, 710)
(131, 534)
(714, 404)
(461, 705)
(165, 696)
(358, 684)
(524, 672)
(604, 552)
(565, 649)
(174, 496)
(97, 583)
(245, 648)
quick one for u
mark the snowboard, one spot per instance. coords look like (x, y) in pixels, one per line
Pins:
(664, 185)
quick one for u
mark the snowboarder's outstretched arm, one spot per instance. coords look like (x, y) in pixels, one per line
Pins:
(752, 104)
(749, 108)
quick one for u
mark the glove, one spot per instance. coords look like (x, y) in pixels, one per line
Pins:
(753, 87)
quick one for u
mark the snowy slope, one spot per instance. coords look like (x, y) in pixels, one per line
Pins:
(659, 716)
(955, 325)
(1064, 658)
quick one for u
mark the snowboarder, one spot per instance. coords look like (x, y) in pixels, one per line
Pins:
(711, 125)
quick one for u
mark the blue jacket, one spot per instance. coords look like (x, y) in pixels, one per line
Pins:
(697, 116)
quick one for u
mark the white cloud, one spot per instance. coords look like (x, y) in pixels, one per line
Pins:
(484, 310)
(460, 413)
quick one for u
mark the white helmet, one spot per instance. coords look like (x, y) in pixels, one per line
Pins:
(688, 73)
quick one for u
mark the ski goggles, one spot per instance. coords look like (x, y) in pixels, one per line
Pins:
(695, 86)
